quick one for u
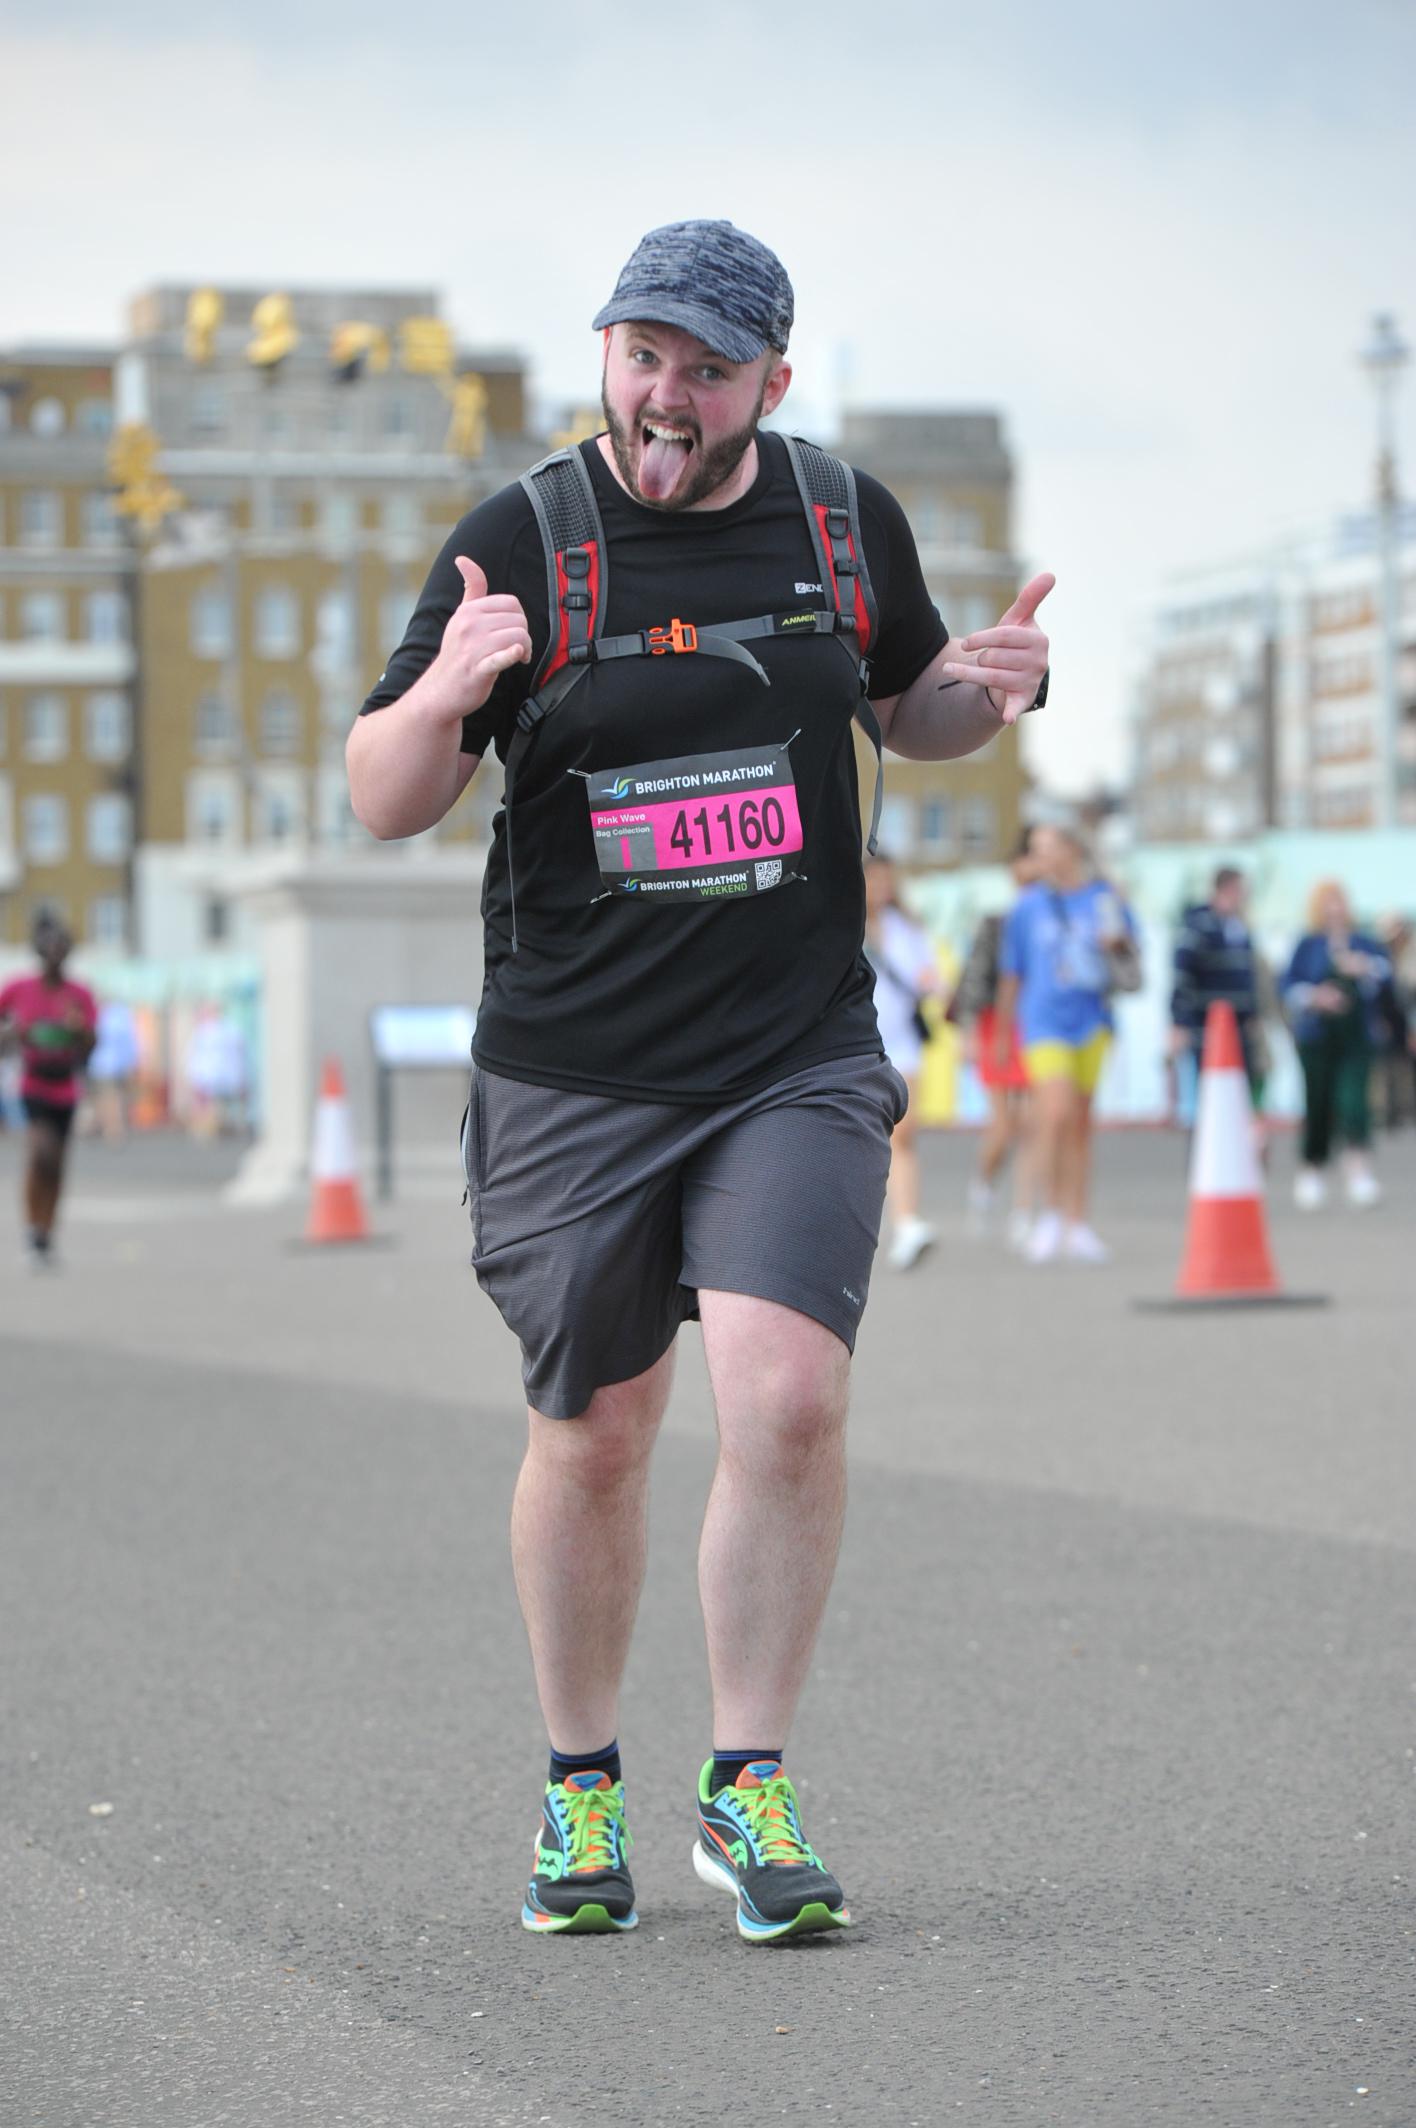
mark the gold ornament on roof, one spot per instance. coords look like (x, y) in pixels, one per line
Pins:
(274, 332)
(467, 430)
(205, 311)
(425, 347)
(355, 347)
(144, 494)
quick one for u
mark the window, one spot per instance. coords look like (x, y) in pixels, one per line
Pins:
(100, 520)
(106, 617)
(403, 515)
(980, 826)
(284, 512)
(339, 517)
(280, 724)
(213, 807)
(5, 416)
(210, 623)
(276, 425)
(936, 825)
(46, 817)
(109, 828)
(208, 408)
(277, 622)
(46, 728)
(215, 727)
(395, 612)
(334, 630)
(398, 416)
(94, 417)
(281, 809)
(108, 726)
(41, 518)
(216, 921)
(108, 921)
(48, 418)
(42, 617)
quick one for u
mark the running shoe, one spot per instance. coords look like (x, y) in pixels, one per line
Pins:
(579, 1880)
(912, 1238)
(1082, 1244)
(750, 1843)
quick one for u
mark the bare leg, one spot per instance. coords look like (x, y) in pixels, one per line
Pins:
(1052, 1104)
(1025, 1161)
(579, 1526)
(773, 1523)
(902, 1190)
(997, 1135)
(1078, 1154)
(44, 1178)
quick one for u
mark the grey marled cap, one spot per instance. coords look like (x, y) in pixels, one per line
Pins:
(711, 280)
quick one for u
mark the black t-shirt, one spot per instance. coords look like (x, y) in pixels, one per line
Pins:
(680, 1000)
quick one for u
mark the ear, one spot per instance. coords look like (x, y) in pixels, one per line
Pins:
(774, 391)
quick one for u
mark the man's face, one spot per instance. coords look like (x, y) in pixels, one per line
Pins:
(1231, 897)
(679, 416)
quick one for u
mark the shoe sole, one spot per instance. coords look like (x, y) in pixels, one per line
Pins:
(814, 1915)
(591, 1919)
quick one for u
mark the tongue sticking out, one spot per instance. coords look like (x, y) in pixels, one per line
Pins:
(661, 466)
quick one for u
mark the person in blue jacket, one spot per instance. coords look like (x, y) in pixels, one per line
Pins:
(1331, 993)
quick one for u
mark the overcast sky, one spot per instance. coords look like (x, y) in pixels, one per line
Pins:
(1152, 236)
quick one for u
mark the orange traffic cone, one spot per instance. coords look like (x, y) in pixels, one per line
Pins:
(1227, 1258)
(336, 1203)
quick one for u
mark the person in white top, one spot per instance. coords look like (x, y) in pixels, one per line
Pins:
(905, 974)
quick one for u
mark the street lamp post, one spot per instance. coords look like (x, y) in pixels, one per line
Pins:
(1384, 357)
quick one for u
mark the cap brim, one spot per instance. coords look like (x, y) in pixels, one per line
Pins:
(735, 342)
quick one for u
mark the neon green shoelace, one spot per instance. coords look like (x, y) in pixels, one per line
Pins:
(594, 1815)
(771, 1811)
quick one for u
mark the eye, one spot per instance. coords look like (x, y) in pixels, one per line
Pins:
(642, 355)
(712, 374)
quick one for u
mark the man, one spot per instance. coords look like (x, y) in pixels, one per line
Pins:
(54, 1023)
(1214, 959)
(1067, 944)
(679, 1105)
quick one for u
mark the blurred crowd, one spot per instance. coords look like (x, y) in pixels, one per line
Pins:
(1035, 1002)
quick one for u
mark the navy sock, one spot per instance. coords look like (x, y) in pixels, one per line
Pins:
(727, 1765)
(606, 1761)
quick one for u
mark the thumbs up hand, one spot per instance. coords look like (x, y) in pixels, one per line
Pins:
(1009, 660)
(486, 633)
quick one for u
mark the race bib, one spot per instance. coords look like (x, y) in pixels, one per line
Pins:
(707, 827)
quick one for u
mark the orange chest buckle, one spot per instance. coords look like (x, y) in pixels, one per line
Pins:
(678, 636)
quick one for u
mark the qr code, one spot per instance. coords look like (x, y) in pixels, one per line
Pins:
(769, 873)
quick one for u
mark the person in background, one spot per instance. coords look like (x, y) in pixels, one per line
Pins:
(52, 1021)
(1394, 1075)
(111, 1069)
(1003, 1078)
(1332, 993)
(899, 951)
(1215, 960)
(1068, 943)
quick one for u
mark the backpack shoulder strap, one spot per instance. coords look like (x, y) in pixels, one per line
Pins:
(577, 566)
(828, 492)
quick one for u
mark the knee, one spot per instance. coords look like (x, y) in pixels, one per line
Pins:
(798, 1417)
(607, 1445)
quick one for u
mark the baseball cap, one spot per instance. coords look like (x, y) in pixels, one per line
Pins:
(711, 280)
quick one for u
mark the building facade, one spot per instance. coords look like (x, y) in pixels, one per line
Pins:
(953, 476)
(1259, 703)
(67, 655)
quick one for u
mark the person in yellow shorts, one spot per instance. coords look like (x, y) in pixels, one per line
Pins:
(1058, 966)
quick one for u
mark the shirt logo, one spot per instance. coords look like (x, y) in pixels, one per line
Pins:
(803, 589)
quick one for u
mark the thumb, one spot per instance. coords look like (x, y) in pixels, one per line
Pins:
(474, 581)
(1028, 600)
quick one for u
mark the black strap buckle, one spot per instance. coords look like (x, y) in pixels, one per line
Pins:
(577, 562)
(530, 714)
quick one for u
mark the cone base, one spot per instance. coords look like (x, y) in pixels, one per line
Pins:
(1226, 1249)
(1220, 1303)
(337, 1213)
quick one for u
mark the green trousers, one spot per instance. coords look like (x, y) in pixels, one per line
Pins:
(1336, 1069)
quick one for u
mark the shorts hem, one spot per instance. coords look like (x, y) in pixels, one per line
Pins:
(574, 1409)
(843, 1322)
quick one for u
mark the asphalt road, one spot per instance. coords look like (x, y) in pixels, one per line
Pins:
(1112, 1736)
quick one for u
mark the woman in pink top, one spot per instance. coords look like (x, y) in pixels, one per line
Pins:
(53, 1021)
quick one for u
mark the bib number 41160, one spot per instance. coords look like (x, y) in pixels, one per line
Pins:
(742, 823)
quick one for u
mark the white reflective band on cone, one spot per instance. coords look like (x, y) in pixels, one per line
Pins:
(1224, 1162)
(332, 1154)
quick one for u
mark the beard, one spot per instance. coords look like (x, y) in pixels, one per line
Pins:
(706, 471)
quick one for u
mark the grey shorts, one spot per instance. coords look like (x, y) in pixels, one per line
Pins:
(595, 1221)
